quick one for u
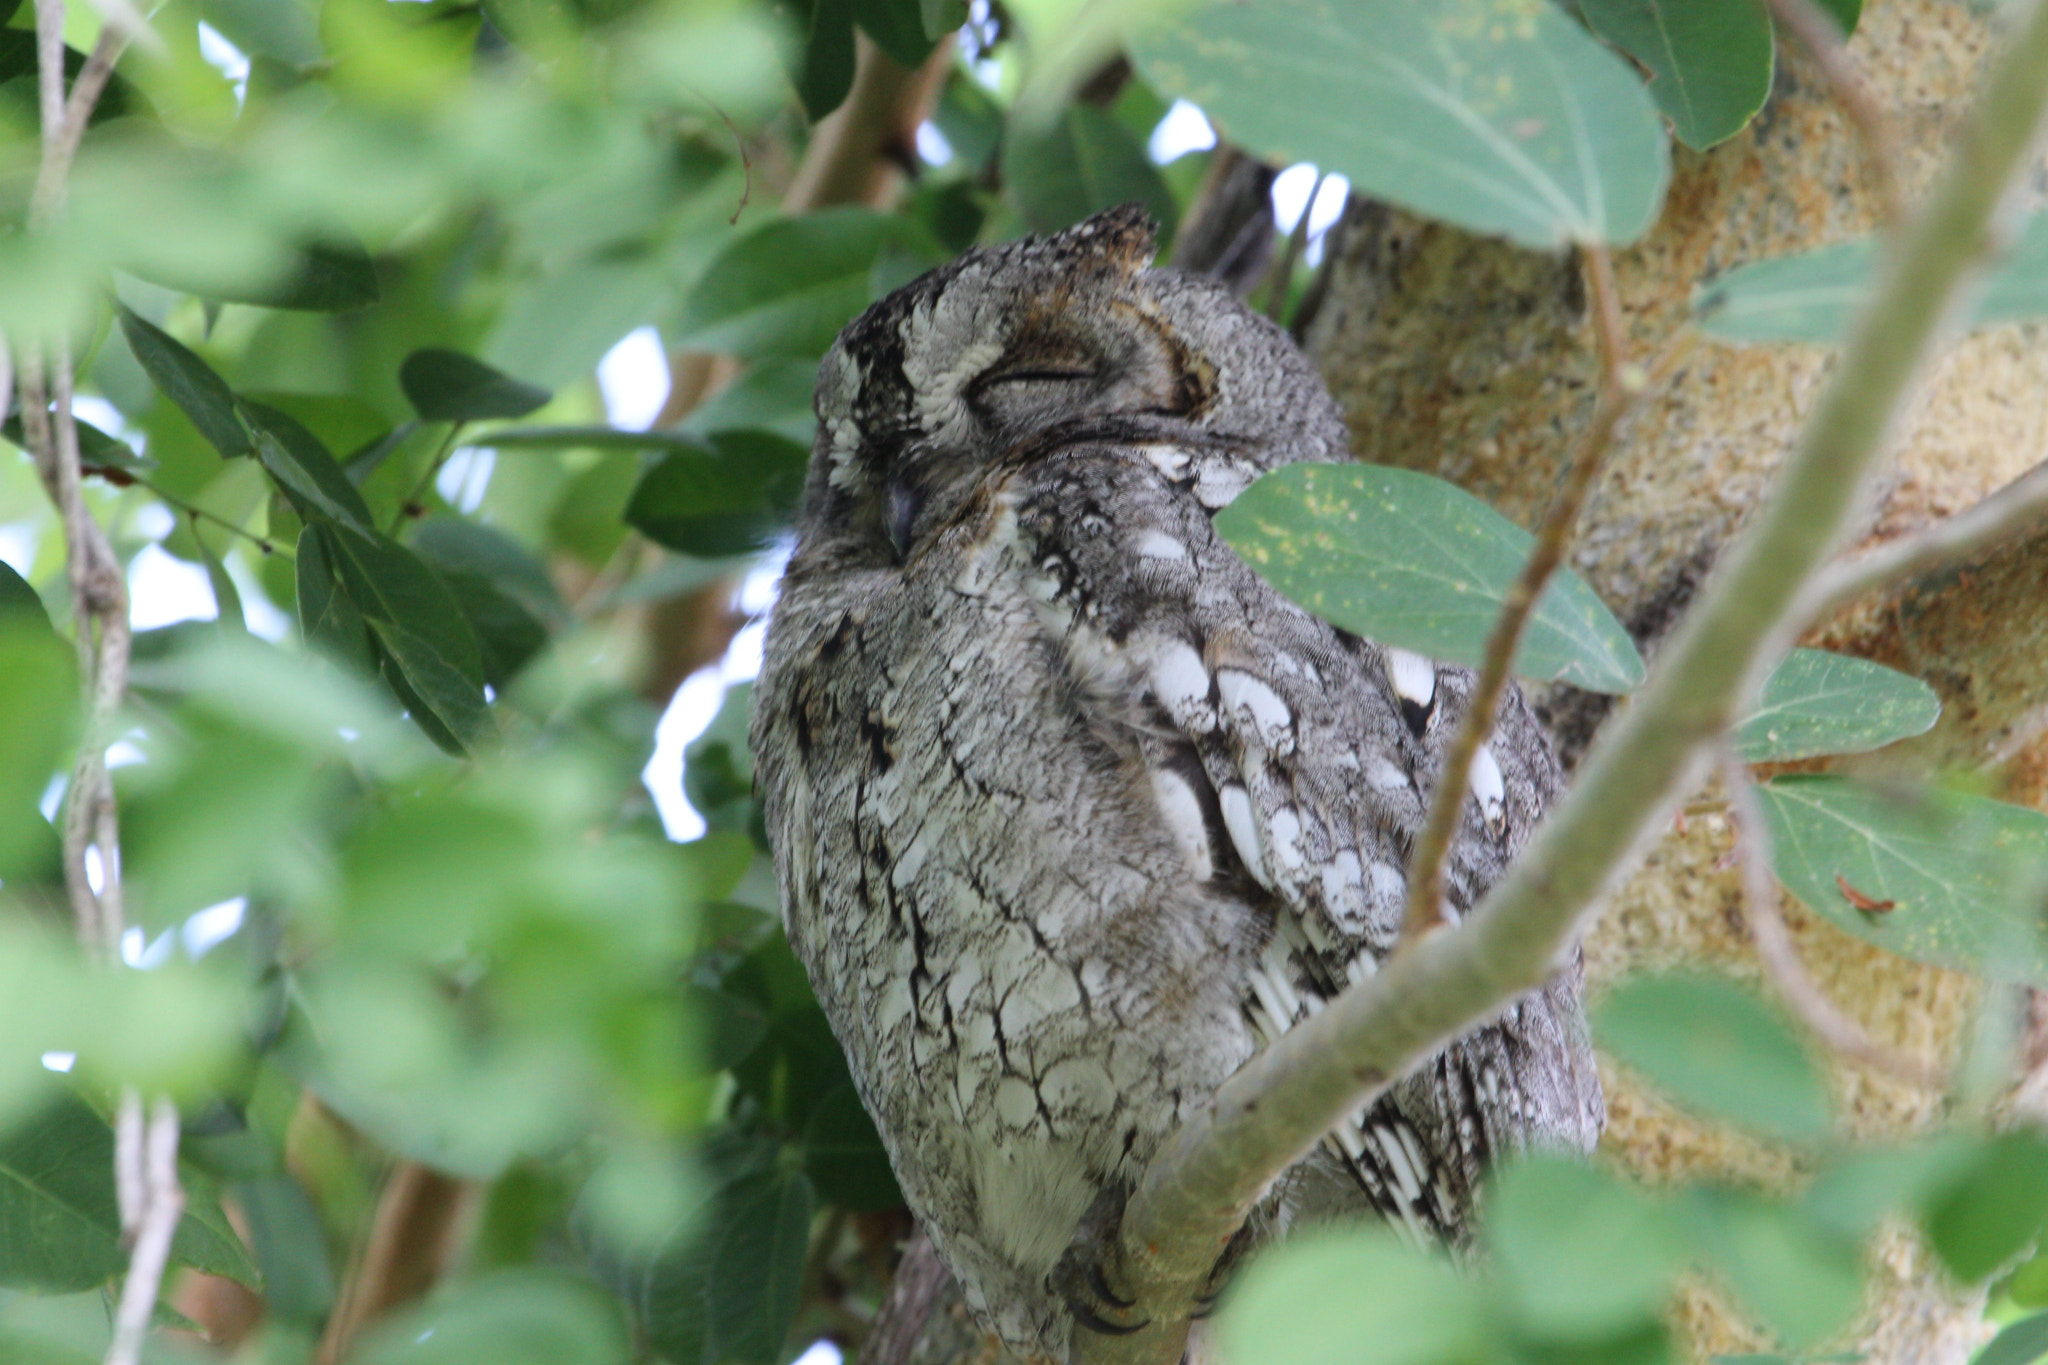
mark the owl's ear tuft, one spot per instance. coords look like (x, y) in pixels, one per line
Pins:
(1124, 238)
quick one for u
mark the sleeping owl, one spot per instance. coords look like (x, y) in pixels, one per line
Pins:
(1072, 812)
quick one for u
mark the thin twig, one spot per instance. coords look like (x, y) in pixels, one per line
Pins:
(198, 513)
(1821, 36)
(2019, 505)
(60, 149)
(1780, 958)
(164, 1206)
(1281, 273)
(1196, 1191)
(426, 480)
(1618, 398)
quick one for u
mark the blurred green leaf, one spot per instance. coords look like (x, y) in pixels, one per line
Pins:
(2017, 1343)
(757, 1269)
(189, 382)
(898, 28)
(1950, 879)
(785, 288)
(291, 1248)
(448, 386)
(844, 1156)
(726, 497)
(529, 1317)
(1718, 1051)
(823, 66)
(1820, 703)
(1993, 1209)
(1582, 1255)
(1803, 1284)
(1079, 164)
(1710, 62)
(1815, 295)
(1514, 123)
(1299, 1302)
(1413, 561)
(39, 697)
(21, 607)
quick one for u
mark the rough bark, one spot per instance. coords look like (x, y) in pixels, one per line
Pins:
(1473, 360)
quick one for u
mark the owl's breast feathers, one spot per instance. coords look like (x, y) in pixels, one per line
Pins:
(1073, 812)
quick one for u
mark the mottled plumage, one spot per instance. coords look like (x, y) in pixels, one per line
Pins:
(1072, 811)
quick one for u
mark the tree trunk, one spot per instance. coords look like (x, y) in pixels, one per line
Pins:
(1474, 360)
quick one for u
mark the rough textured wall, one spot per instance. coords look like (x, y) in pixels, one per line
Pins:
(1474, 360)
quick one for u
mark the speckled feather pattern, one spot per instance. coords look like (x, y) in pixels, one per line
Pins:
(1073, 812)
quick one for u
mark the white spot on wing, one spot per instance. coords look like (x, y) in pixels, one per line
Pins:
(1159, 545)
(1243, 693)
(1487, 786)
(1244, 832)
(1413, 677)
(1184, 822)
(1171, 461)
(1180, 680)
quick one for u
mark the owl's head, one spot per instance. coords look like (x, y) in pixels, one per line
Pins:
(1015, 351)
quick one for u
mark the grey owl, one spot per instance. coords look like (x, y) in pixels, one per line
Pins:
(1072, 811)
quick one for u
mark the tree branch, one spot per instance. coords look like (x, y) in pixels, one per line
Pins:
(1199, 1187)
(1821, 36)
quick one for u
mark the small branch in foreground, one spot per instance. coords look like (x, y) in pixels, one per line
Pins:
(1821, 36)
(1619, 397)
(163, 1206)
(2012, 509)
(1197, 1190)
(1780, 958)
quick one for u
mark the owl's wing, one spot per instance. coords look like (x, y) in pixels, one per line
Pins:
(1293, 762)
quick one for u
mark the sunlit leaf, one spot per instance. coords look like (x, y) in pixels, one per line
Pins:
(1510, 120)
(1942, 877)
(1409, 560)
(526, 1317)
(1820, 703)
(1710, 62)
(39, 697)
(448, 386)
(1299, 1302)
(1718, 1051)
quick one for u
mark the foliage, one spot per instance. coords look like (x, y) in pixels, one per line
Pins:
(338, 303)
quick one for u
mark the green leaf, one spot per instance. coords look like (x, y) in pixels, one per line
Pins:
(1993, 1209)
(726, 497)
(39, 697)
(1511, 121)
(942, 17)
(1845, 13)
(57, 1206)
(427, 644)
(1815, 295)
(1820, 703)
(1411, 561)
(205, 1240)
(524, 1317)
(785, 288)
(2018, 1343)
(328, 620)
(757, 1268)
(844, 1156)
(291, 1247)
(898, 28)
(189, 382)
(1803, 1283)
(1954, 873)
(505, 592)
(309, 476)
(317, 278)
(1299, 1302)
(448, 386)
(1718, 1051)
(1079, 164)
(98, 453)
(772, 395)
(1583, 1255)
(824, 56)
(1710, 61)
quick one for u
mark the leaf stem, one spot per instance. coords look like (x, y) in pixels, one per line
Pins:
(1822, 38)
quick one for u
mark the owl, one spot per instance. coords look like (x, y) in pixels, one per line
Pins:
(1072, 812)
